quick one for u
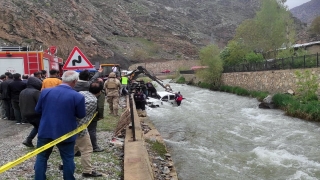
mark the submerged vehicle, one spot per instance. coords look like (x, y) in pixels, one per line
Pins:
(162, 97)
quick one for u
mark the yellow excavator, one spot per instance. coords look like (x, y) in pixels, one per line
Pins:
(108, 68)
(141, 70)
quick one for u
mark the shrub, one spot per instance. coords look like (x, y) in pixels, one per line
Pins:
(204, 85)
(226, 88)
(259, 95)
(307, 86)
(240, 91)
(282, 100)
(181, 80)
(253, 57)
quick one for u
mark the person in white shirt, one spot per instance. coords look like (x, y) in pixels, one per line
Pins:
(114, 69)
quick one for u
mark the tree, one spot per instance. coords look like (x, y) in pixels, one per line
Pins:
(315, 27)
(271, 29)
(209, 56)
(234, 53)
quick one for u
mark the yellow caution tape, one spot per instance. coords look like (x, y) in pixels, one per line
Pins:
(44, 147)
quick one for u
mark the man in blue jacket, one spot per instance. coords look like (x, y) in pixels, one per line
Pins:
(59, 107)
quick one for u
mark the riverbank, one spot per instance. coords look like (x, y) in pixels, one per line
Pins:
(145, 153)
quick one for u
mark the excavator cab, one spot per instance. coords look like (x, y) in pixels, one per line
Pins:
(108, 68)
(141, 70)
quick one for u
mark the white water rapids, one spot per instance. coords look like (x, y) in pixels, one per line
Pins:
(221, 136)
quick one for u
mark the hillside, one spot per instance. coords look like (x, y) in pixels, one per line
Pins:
(123, 31)
(307, 11)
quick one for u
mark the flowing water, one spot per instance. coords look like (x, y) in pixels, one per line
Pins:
(221, 136)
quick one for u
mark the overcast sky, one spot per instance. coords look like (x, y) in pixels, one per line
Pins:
(293, 3)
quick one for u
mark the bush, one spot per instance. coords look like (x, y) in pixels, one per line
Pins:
(307, 86)
(308, 110)
(205, 85)
(296, 108)
(226, 89)
(253, 57)
(240, 91)
(259, 95)
(282, 100)
(181, 80)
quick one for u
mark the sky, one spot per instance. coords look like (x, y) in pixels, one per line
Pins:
(293, 3)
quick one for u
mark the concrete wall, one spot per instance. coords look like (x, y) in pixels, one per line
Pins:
(279, 81)
(313, 49)
(157, 67)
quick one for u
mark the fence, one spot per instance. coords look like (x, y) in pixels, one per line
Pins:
(187, 72)
(307, 61)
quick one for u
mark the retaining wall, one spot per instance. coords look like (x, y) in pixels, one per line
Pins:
(279, 81)
(174, 65)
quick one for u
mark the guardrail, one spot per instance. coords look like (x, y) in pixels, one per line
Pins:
(307, 61)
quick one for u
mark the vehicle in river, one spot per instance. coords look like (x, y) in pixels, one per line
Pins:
(161, 98)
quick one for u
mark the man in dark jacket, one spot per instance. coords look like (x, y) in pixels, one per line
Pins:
(92, 128)
(84, 82)
(5, 97)
(14, 89)
(2, 109)
(28, 100)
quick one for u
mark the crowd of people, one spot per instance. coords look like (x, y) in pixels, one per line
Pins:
(55, 106)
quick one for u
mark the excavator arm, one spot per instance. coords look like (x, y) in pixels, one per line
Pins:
(141, 70)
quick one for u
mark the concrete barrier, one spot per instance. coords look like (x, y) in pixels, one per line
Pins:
(136, 158)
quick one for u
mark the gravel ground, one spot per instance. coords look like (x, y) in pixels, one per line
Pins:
(108, 162)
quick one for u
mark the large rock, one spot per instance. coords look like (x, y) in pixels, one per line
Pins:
(267, 103)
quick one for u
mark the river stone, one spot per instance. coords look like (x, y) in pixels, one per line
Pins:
(166, 170)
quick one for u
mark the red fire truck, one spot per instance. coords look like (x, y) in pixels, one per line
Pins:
(24, 61)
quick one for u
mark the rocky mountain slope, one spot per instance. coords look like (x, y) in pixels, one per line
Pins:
(123, 31)
(307, 11)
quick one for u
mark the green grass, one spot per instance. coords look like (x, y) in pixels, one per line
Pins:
(205, 85)
(294, 107)
(157, 147)
(290, 104)
(109, 123)
(259, 95)
(240, 91)
(243, 92)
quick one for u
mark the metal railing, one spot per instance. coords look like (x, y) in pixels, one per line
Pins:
(187, 72)
(307, 61)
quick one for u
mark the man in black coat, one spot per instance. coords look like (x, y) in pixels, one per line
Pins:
(5, 97)
(14, 89)
(28, 100)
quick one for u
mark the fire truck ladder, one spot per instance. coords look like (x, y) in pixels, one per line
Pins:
(19, 48)
(29, 63)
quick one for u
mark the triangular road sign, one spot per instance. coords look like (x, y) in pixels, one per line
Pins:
(77, 60)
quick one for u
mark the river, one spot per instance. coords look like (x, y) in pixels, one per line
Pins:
(222, 136)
